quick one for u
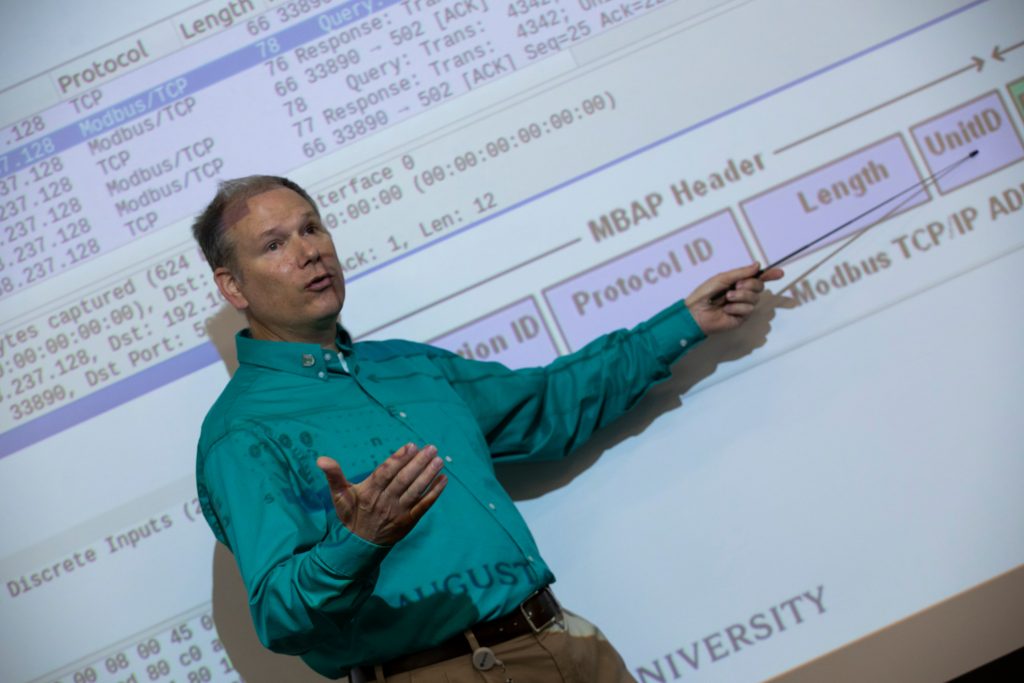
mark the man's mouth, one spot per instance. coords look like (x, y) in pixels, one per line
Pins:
(320, 283)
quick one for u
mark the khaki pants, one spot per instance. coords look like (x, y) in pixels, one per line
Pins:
(574, 651)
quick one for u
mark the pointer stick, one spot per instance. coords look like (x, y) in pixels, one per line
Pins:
(932, 179)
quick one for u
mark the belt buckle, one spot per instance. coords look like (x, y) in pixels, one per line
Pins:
(526, 615)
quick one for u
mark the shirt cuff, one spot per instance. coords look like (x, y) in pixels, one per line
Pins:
(346, 554)
(674, 332)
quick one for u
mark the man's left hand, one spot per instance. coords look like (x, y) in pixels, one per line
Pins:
(725, 300)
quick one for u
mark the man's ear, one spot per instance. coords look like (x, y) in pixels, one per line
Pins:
(228, 284)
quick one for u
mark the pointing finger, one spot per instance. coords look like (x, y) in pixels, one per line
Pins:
(421, 483)
(730, 277)
(411, 470)
(389, 469)
(424, 503)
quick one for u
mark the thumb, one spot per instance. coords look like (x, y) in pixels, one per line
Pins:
(335, 478)
(731, 277)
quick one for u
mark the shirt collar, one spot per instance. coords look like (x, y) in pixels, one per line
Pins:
(307, 360)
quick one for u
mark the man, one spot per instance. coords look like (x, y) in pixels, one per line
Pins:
(407, 559)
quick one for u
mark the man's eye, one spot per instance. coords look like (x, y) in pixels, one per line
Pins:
(312, 227)
(273, 246)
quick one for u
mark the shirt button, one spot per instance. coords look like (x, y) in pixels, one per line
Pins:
(327, 356)
(448, 458)
(321, 374)
(683, 342)
(401, 414)
(307, 360)
(492, 506)
(529, 558)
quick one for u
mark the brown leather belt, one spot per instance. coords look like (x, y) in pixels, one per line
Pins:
(532, 616)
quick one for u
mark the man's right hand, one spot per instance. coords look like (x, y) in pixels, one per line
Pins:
(385, 506)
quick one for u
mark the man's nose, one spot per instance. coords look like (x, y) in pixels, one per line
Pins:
(309, 251)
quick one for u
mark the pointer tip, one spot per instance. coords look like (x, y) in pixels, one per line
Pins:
(972, 154)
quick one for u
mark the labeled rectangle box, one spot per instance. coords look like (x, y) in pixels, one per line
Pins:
(515, 336)
(632, 287)
(983, 124)
(790, 215)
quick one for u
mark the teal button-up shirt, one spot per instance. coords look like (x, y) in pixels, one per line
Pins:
(318, 590)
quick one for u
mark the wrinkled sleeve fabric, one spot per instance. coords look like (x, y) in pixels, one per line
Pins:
(306, 574)
(545, 413)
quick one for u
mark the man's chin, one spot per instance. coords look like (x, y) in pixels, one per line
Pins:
(328, 306)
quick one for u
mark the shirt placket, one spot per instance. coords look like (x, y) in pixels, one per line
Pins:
(506, 520)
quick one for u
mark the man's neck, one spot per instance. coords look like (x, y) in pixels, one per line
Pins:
(325, 338)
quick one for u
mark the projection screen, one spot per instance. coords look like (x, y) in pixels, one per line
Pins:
(509, 179)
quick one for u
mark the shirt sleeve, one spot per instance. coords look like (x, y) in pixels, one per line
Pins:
(306, 574)
(545, 413)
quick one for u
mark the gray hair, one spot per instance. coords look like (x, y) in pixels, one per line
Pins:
(209, 229)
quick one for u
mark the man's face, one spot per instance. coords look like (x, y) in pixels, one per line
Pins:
(287, 278)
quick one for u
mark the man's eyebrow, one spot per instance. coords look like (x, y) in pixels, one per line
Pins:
(278, 229)
(272, 231)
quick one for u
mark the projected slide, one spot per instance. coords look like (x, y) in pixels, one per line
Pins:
(509, 180)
